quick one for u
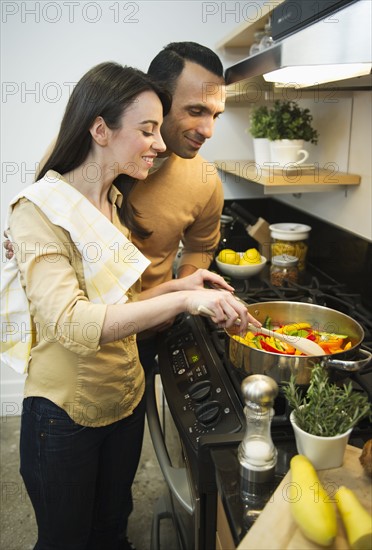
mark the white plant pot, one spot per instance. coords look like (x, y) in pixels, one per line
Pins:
(323, 452)
(261, 148)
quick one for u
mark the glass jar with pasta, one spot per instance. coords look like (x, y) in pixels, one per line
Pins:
(290, 239)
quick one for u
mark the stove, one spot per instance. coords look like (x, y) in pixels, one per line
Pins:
(202, 389)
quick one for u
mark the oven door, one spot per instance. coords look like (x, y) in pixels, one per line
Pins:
(180, 503)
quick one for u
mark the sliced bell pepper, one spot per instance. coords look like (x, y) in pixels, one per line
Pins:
(239, 339)
(330, 335)
(268, 347)
(288, 349)
(332, 346)
(267, 323)
(293, 327)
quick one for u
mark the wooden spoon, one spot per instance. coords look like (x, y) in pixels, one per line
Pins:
(308, 347)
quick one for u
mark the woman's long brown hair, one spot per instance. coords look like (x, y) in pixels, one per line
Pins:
(107, 90)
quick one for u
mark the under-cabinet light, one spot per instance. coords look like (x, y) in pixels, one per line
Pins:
(309, 75)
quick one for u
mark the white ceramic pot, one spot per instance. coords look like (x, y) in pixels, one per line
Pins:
(261, 148)
(323, 452)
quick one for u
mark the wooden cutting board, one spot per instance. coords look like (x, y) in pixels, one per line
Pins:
(276, 530)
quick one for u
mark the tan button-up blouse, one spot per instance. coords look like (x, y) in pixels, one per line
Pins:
(96, 385)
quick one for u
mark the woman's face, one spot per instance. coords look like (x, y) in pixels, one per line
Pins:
(134, 146)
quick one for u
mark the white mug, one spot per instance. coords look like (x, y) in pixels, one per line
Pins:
(287, 151)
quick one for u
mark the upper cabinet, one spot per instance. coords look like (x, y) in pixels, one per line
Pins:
(243, 35)
(237, 45)
(311, 45)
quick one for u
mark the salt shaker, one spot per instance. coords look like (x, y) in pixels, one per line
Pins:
(257, 454)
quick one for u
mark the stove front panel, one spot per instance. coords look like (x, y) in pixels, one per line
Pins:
(198, 390)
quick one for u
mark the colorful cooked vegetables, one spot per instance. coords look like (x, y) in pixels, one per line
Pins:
(331, 343)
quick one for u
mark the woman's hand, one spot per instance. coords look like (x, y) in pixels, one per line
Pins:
(9, 250)
(220, 304)
(223, 308)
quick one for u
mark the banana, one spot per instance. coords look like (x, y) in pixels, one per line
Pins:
(356, 519)
(311, 507)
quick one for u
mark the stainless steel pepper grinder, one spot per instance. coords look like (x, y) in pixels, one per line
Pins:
(257, 454)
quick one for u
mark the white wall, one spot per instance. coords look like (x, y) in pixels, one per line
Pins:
(345, 141)
(351, 210)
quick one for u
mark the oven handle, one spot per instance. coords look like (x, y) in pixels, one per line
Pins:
(176, 478)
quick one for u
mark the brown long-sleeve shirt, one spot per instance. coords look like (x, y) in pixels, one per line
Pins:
(181, 201)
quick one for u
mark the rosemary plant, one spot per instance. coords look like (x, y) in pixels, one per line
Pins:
(326, 409)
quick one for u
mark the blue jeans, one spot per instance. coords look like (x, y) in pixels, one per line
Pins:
(78, 478)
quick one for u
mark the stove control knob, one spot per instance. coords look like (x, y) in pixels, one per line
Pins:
(200, 391)
(208, 413)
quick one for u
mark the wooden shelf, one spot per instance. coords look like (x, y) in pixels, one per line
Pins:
(299, 180)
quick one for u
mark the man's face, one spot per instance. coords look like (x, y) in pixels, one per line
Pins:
(198, 99)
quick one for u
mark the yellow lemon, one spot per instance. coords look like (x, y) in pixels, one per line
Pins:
(228, 256)
(250, 256)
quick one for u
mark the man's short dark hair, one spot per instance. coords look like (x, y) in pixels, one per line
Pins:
(166, 67)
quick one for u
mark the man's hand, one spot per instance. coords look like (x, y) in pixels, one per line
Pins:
(200, 277)
(9, 250)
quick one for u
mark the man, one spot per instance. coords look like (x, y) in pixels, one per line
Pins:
(186, 197)
(188, 194)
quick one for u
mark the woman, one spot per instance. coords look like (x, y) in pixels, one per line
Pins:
(83, 412)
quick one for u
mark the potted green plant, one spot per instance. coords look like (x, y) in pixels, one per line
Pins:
(324, 416)
(259, 124)
(289, 126)
(287, 120)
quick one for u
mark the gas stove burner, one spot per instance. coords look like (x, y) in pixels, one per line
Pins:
(267, 292)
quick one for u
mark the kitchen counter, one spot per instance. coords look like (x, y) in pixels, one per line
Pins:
(275, 517)
(240, 516)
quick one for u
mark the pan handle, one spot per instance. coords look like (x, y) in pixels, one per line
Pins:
(350, 366)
